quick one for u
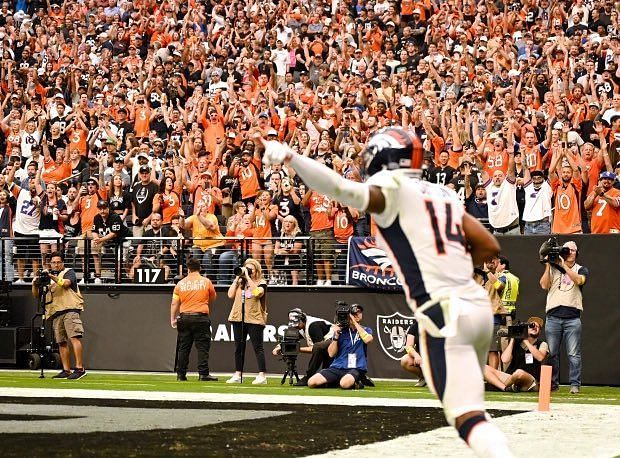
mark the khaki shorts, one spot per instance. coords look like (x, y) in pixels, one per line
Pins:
(324, 243)
(67, 326)
(81, 244)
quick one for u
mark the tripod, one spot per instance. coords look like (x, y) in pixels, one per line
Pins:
(291, 369)
(43, 346)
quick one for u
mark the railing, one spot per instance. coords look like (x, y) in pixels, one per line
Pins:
(161, 260)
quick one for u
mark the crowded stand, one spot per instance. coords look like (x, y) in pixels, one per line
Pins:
(135, 128)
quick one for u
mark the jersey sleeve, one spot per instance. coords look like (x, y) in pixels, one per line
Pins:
(389, 186)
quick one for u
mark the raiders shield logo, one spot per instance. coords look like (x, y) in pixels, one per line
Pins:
(392, 332)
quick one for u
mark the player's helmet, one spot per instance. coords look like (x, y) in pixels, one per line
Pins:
(393, 148)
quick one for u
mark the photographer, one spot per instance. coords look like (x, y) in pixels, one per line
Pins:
(64, 310)
(348, 348)
(412, 361)
(250, 284)
(563, 279)
(524, 358)
(318, 334)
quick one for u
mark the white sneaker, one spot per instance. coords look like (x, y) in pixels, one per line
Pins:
(260, 380)
(234, 379)
(81, 282)
(97, 281)
(327, 283)
(319, 283)
(19, 282)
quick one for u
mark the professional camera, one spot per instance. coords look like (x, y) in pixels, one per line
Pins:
(289, 342)
(551, 251)
(343, 310)
(239, 271)
(516, 331)
(43, 279)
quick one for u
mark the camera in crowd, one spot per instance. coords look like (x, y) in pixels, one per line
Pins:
(516, 331)
(551, 251)
(344, 311)
(241, 271)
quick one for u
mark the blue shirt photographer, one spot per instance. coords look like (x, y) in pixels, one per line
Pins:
(350, 343)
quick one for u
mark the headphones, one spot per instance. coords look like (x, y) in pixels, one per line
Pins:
(299, 313)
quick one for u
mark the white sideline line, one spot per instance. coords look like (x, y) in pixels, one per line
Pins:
(239, 398)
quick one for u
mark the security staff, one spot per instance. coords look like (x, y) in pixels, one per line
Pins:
(189, 314)
(64, 310)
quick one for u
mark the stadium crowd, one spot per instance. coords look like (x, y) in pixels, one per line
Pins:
(157, 108)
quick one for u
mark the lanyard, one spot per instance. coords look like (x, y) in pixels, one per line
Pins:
(352, 339)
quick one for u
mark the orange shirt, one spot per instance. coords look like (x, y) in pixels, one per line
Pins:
(262, 225)
(567, 211)
(454, 156)
(496, 161)
(213, 131)
(141, 121)
(605, 217)
(195, 293)
(55, 172)
(319, 212)
(406, 7)
(170, 205)
(77, 140)
(248, 179)
(88, 209)
(532, 157)
(204, 197)
(593, 168)
(343, 226)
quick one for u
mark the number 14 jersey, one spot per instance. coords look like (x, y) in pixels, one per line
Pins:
(421, 231)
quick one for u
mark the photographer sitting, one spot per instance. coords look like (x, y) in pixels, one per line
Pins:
(348, 348)
(524, 358)
(64, 311)
(412, 361)
(318, 334)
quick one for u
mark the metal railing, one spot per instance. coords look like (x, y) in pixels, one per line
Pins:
(300, 261)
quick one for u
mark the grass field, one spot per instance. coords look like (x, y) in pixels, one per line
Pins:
(384, 388)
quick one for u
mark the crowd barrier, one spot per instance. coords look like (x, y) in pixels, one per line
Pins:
(161, 260)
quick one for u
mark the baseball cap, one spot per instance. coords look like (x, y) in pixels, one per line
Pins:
(356, 308)
(272, 132)
(102, 204)
(231, 135)
(263, 115)
(534, 319)
(119, 159)
(145, 169)
(143, 156)
(607, 175)
(93, 181)
(594, 104)
(110, 141)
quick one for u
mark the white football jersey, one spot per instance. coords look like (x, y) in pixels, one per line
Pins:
(27, 212)
(421, 229)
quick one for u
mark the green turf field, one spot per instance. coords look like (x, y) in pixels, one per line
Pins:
(167, 382)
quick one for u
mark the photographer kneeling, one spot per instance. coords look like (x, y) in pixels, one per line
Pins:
(348, 348)
(64, 311)
(524, 357)
(318, 334)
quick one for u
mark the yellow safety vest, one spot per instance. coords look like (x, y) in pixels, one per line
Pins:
(510, 292)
